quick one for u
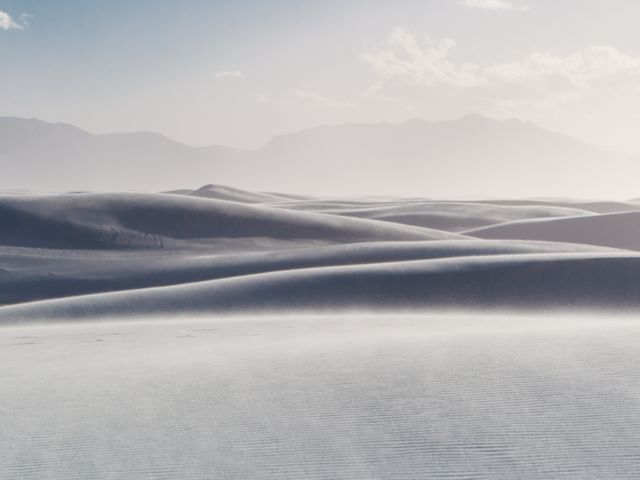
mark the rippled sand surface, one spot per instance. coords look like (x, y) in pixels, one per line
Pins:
(353, 397)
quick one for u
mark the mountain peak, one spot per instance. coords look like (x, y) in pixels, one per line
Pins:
(35, 124)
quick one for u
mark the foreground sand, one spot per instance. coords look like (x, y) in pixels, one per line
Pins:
(358, 397)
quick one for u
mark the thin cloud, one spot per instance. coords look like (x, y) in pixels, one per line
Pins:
(263, 98)
(418, 60)
(320, 101)
(228, 75)
(7, 22)
(494, 5)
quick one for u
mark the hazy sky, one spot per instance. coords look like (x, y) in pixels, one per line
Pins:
(237, 72)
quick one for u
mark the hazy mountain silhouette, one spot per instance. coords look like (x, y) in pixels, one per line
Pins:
(43, 156)
(473, 156)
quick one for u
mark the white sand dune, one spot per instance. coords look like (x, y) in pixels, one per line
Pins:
(30, 274)
(223, 192)
(522, 281)
(545, 206)
(454, 216)
(289, 398)
(151, 220)
(592, 206)
(204, 334)
(618, 230)
(95, 255)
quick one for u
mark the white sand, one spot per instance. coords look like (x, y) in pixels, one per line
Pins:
(371, 397)
(148, 254)
(178, 335)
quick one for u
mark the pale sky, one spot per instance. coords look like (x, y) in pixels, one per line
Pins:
(238, 72)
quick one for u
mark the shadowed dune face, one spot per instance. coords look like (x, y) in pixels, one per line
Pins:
(455, 217)
(618, 230)
(42, 274)
(503, 282)
(124, 220)
(198, 251)
(588, 205)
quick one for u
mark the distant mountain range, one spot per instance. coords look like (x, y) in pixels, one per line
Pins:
(470, 157)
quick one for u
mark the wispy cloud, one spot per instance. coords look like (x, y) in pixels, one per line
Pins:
(321, 101)
(7, 22)
(228, 74)
(494, 5)
(263, 98)
(418, 60)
